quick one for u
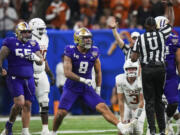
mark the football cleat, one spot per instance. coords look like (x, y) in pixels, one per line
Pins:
(8, 129)
(45, 132)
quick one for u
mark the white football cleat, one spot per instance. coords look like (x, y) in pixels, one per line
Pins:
(3, 132)
(25, 133)
(45, 132)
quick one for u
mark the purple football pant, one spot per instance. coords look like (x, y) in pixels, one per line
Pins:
(171, 90)
(19, 86)
(88, 95)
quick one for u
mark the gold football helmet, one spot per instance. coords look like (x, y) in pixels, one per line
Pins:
(80, 35)
(23, 31)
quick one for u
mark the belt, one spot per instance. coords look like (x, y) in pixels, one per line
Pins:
(153, 64)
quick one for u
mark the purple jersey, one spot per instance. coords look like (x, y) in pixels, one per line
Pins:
(82, 65)
(18, 65)
(172, 44)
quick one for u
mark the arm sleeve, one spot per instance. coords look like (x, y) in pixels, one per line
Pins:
(166, 31)
(119, 85)
(125, 49)
(136, 45)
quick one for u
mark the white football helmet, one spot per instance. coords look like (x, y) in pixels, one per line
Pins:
(38, 26)
(135, 34)
(131, 68)
(161, 21)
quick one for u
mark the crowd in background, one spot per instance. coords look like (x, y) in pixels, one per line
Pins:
(72, 14)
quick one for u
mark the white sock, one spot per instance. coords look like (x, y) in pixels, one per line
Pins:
(54, 133)
(25, 130)
(45, 127)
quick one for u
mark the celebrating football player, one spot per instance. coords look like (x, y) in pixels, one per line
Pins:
(130, 98)
(79, 60)
(20, 52)
(42, 84)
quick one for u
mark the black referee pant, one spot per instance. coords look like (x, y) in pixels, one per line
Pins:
(153, 78)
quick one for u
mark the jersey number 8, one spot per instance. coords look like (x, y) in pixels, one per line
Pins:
(83, 67)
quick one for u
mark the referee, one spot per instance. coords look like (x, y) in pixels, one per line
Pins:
(150, 46)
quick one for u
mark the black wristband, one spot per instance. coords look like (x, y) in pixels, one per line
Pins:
(169, 4)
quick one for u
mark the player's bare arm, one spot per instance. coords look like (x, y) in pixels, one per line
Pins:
(98, 73)
(169, 12)
(113, 46)
(49, 73)
(141, 100)
(178, 60)
(68, 69)
(3, 54)
(121, 105)
(113, 25)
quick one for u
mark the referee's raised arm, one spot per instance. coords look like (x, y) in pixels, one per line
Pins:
(150, 46)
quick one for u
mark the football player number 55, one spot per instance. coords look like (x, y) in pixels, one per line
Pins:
(22, 52)
(83, 67)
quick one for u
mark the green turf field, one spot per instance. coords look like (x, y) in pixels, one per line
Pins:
(72, 125)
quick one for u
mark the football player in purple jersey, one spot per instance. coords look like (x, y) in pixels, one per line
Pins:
(20, 51)
(78, 63)
(172, 63)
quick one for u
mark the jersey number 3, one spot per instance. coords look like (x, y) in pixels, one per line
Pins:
(83, 67)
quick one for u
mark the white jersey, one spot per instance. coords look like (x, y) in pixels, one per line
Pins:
(43, 44)
(131, 91)
(60, 77)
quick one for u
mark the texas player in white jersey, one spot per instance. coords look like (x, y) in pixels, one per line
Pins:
(40, 71)
(130, 98)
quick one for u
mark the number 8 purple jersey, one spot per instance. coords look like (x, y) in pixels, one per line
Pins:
(82, 65)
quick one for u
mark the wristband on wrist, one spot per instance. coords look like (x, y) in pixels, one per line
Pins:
(81, 79)
(138, 112)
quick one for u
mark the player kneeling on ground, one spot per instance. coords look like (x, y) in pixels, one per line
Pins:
(130, 99)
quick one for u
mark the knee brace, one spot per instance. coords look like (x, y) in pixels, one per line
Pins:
(171, 109)
(44, 108)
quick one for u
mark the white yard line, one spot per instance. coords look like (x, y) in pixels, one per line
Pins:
(3, 119)
(77, 131)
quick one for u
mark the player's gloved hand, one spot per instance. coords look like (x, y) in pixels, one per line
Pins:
(86, 81)
(179, 86)
(53, 81)
(98, 90)
(134, 122)
(33, 57)
(124, 128)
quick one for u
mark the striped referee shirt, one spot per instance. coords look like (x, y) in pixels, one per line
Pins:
(151, 45)
(127, 51)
